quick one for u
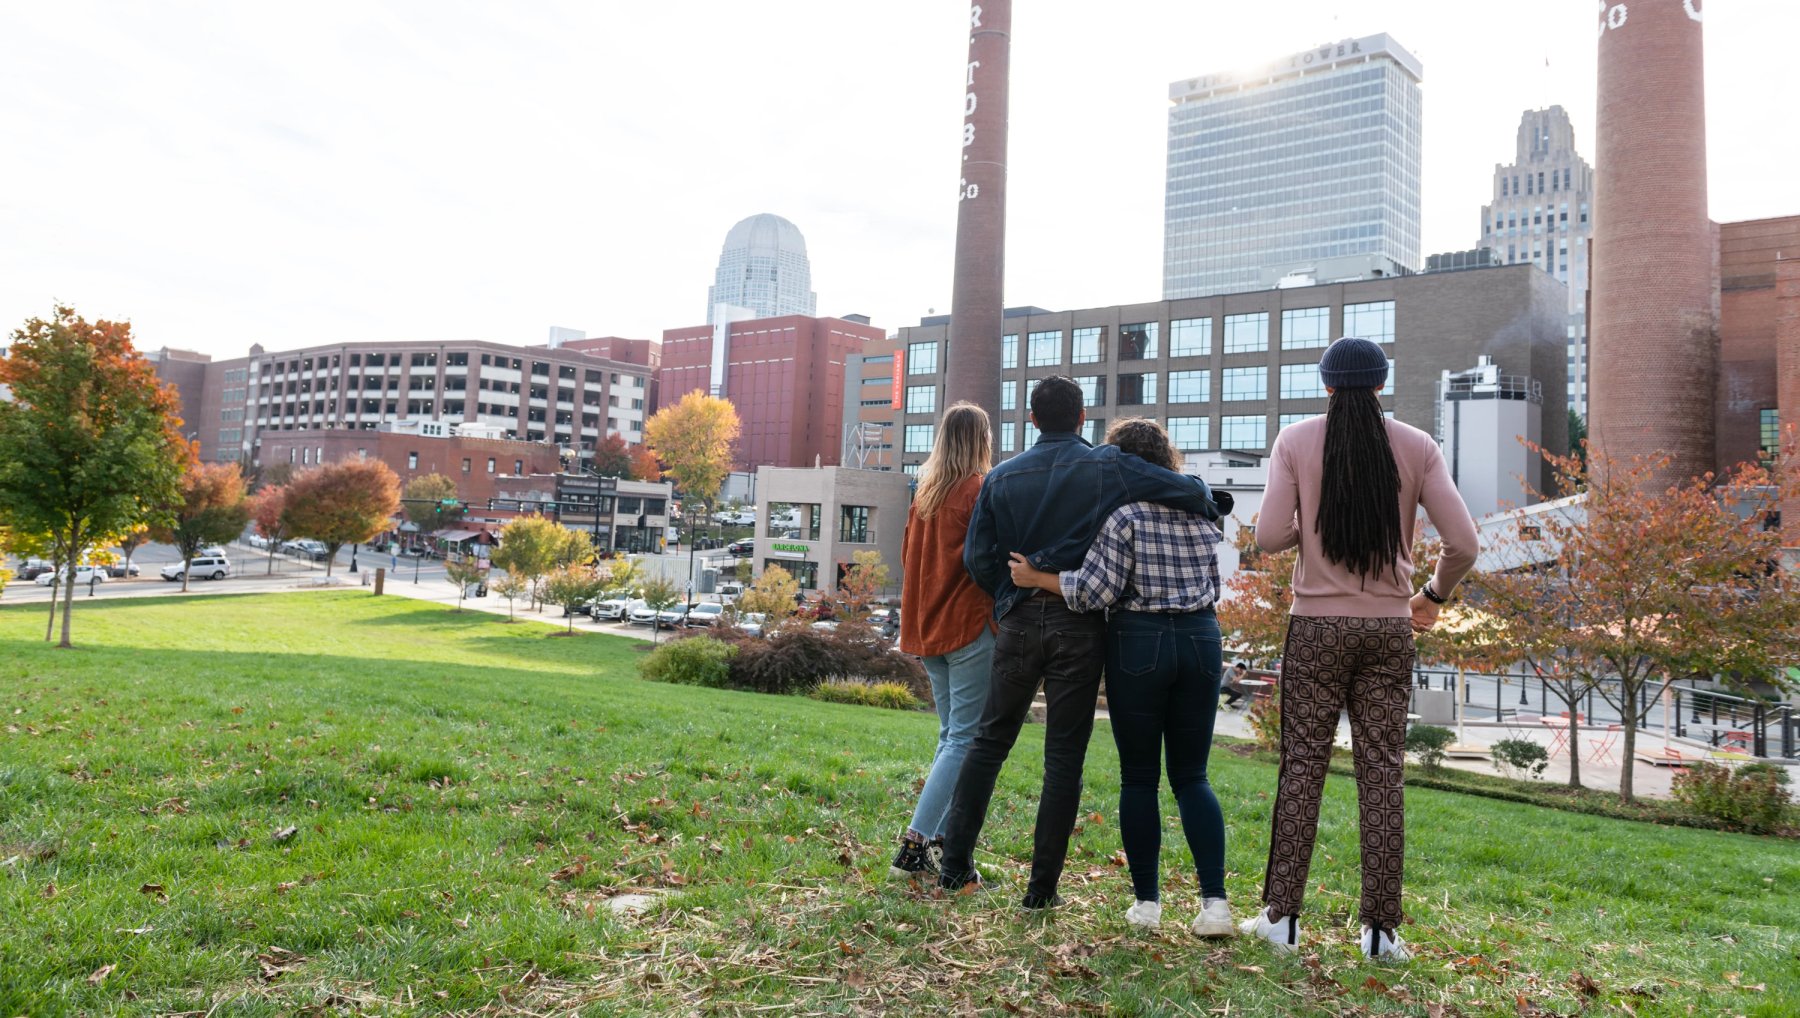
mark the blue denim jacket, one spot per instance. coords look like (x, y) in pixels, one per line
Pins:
(1049, 501)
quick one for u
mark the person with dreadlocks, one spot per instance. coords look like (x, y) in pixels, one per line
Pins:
(1346, 489)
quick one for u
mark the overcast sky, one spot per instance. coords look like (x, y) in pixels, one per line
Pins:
(229, 173)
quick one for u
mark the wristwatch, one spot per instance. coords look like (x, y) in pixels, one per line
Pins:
(1431, 595)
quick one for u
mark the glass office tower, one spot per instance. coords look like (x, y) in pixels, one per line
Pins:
(1307, 166)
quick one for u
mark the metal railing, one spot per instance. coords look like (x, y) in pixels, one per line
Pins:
(1759, 727)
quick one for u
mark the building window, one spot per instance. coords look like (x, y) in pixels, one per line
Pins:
(1089, 346)
(518, 468)
(412, 461)
(1009, 437)
(1094, 430)
(1388, 389)
(805, 573)
(466, 464)
(853, 524)
(1190, 337)
(921, 359)
(921, 399)
(490, 464)
(1093, 389)
(1189, 433)
(1301, 381)
(1244, 383)
(918, 437)
(1287, 419)
(1769, 442)
(1009, 395)
(1137, 390)
(1138, 342)
(1373, 322)
(1190, 386)
(1247, 333)
(1009, 351)
(1044, 349)
(1243, 432)
(1303, 328)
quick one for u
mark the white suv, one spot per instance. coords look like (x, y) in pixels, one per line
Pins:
(83, 576)
(206, 567)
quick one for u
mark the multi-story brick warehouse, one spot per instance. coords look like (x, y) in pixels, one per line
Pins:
(1228, 372)
(565, 397)
(784, 375)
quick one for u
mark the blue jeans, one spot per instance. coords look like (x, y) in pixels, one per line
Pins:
(959, 684)
(1162, 690)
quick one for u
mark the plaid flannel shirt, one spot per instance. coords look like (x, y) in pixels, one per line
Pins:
(1148, 558)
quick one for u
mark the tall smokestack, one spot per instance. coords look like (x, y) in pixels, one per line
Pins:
(972, 363)
(1654, 349)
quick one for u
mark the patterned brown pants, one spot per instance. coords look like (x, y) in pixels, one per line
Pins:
(1330, 664)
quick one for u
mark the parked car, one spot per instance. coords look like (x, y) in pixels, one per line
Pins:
(592, 607)
(617, 608)
(210, 567)
(34, 568)
(667, 618)
(83, 576)
(736, 518)
(256, 540)
(743, 547)
(120, 570)
(705, 613)
(305, 547)
(753, 623)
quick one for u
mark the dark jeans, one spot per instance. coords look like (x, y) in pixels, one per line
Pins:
(1040, 641)
(1162, 690)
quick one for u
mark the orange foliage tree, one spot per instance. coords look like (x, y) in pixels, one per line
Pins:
(693, 440)
(90, 442)
(612, 457)
(1641, 582)
(268, 510)
(644, 466)
(341, 503)
(211, 510)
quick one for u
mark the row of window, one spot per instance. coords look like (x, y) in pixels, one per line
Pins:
(1301, 328)
(1190, 434)
(1298, 381)
(429, 360)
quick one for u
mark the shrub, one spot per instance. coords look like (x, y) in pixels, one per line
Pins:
(891, 695)
(1521, 757)
(796, 660)
(1428, 742)
(1752, 798)
(694, 661)
(1265, 719)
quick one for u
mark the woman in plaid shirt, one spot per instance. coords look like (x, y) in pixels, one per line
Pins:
(1155, 571)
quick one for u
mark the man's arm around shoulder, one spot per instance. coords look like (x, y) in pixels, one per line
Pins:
(1147, 482)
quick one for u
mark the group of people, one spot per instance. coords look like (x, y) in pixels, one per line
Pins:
(1070, 561)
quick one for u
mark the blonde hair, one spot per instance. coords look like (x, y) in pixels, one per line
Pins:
(964, 449)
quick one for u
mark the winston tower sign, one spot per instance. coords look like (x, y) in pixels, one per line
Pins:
(972, 360)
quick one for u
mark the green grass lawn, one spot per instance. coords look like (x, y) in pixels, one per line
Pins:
(334, 803)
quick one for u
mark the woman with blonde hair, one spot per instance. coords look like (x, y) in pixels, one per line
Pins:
(944, 619)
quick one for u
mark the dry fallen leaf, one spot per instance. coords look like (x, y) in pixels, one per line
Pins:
(100, 974)
(285, 833)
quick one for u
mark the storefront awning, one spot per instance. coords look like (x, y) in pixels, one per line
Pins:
(456, 536)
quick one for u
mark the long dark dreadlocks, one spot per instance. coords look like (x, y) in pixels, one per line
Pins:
(1359, 499)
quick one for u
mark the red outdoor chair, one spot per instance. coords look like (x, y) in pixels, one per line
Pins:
(1603, 746)
(1737, 740)
(1559, 732)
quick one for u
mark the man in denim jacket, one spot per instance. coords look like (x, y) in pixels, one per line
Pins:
(1049, 501)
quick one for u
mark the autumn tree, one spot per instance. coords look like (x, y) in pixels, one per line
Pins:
(90, 442)
(1641, 582)
(430, 503)
(464, 572)
(571, 586)
(644, 466)
(268, 511)
(612, 457)
(512, 587)
(347, 502)
(773, 594)
(1258, 597)
(622, 573)
(863, 582)
(693, 440)
(130, 541)
(531, 547)
(211, 510)
(659, 595)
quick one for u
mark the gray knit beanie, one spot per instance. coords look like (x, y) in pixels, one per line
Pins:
(1352, 363)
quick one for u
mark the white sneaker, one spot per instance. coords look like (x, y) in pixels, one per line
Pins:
(1214, 919)
(1387, 947)
(1147, 914)
(1282, 933)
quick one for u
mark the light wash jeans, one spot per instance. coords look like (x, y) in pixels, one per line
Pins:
(959, 684)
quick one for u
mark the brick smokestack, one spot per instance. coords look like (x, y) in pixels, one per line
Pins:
(1787, 368)
(972, 363)
(1654, 348)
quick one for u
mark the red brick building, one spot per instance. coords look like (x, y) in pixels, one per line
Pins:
(785, 376)
(475, 464)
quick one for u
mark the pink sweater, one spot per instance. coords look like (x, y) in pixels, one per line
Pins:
(1290, 510)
